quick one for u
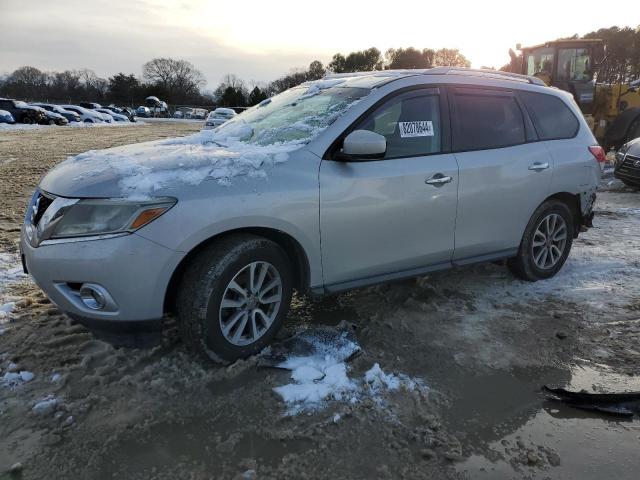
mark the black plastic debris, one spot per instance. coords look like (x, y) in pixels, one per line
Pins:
(619, 404)
(315, 341)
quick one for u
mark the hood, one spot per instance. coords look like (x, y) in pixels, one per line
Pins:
(162, 168)
(55, 115)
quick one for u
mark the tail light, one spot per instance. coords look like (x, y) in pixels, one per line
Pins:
(598, 152)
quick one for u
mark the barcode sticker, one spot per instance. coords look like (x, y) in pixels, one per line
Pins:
(420, 128)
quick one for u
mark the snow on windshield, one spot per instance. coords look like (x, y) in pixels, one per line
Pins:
(299, 114)
(245, 146)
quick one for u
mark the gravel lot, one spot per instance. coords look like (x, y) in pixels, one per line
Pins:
(480, 343)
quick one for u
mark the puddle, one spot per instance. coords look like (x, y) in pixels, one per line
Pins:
(329, 310)
(552, 437)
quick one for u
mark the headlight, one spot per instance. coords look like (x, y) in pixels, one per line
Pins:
(73, 218)
(621, 154)
(100, 217)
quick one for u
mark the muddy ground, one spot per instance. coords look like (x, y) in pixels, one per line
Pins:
(483, 342)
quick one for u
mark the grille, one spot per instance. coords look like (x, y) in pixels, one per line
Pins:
(627, 168)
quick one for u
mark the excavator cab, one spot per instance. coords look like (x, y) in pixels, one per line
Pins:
(568, 65)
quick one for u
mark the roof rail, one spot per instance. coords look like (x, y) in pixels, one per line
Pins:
(487, 73)
(469, 72)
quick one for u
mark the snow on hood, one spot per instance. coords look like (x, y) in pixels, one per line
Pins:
(143, 169)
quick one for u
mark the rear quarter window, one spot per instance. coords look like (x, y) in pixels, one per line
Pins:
(552, 118)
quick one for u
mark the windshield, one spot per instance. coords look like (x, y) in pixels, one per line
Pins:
(540, 61)
(574, 64)
(298, 114)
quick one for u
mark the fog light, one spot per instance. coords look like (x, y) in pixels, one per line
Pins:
(92, 297)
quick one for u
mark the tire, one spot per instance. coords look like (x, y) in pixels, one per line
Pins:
(27, 120)
(206, 326)
(88, 120)
(531, 263)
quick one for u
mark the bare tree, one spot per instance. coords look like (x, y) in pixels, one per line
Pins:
(178, 79)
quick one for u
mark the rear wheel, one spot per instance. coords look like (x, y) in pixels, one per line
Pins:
(546, 243)
(234, 296)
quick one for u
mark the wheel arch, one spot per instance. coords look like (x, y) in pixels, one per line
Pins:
(573, 202)
(293, 249)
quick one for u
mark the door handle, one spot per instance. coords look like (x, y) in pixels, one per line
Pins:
(539, 166)
(438, 180)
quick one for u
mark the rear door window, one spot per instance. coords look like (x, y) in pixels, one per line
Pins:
(486, 119)
(410, 122)
(551, 117)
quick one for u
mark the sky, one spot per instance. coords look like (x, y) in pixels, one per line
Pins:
(262, 40)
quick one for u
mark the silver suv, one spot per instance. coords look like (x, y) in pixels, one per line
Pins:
(348, 181)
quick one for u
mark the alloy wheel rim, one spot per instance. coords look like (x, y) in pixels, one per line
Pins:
(250, 303)
(549, 241)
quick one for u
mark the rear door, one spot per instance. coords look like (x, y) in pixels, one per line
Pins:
(389, 216)
(505, 174)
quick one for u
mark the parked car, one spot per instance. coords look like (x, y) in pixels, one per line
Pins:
(126, 111)
(52, 118)
(69, 115)
(86, 115)
(143, 111)
(96, 107)
(395, 173)
(199, 114)
(21, 111)
(90, 105)
(6, 117)
(184, 112)
(116, 116)
(157, 107)
(219, 116)
(627, 163)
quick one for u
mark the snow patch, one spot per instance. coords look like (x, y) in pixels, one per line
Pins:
(10, 270)
(13, 379)
(45, 405)
(323, 376)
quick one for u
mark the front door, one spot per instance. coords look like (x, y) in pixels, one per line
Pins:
(390, 216)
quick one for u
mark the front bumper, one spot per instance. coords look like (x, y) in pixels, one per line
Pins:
(628, 169)
(134, 271)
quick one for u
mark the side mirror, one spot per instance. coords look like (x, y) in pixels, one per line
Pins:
(363, 145)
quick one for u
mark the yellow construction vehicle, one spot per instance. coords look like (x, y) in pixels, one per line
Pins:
(612, 110)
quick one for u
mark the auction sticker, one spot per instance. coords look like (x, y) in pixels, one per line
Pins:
(419, 128)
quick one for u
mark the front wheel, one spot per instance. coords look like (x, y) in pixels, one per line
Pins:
(545, 244)
(234, 296)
